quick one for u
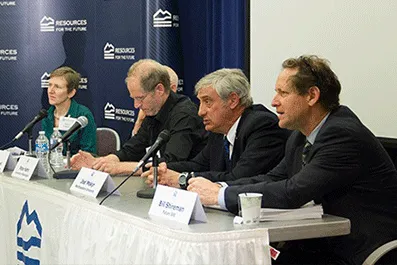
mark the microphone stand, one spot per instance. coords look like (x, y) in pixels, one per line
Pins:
(149, 193)
(30, 143)
(68, 173)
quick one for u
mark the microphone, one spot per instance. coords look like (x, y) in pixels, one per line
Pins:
(81, 122)
(42, 114)
(163, 138)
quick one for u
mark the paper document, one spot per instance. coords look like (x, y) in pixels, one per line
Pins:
(308, 211)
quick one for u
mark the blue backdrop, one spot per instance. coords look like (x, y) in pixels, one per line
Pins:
(101, 39)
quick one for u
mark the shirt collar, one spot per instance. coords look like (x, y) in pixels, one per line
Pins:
(231, 134)
(312, 136)
(163, 113)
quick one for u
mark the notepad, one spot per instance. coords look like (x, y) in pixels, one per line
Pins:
(308, 211)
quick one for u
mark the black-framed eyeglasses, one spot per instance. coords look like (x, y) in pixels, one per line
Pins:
(312, 70)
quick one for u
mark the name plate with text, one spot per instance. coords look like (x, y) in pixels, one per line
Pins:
(89, 182)
(3, 159)
(176, 204)
(25, 167)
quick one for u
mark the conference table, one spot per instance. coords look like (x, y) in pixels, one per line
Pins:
(43, 221)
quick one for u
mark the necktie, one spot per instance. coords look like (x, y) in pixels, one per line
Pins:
(226, 146)
(305, 152)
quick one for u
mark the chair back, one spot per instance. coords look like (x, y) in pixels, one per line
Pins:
(107, 140)
(385, 254)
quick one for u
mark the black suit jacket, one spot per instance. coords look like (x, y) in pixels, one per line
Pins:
(349, 172)
(258, 147)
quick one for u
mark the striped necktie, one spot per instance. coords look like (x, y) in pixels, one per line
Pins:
(305, 152)
(226, 146)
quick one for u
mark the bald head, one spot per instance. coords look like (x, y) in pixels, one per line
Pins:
(149, 73)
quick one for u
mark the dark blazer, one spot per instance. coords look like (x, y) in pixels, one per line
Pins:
(258, 147)
(349, 172)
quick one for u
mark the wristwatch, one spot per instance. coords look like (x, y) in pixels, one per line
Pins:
(183, 179)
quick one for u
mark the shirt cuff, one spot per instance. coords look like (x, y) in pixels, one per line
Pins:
(221, 197)
(223, 184)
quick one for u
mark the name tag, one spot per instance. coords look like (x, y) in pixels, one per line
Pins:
(3, 159)
(25, 167)
(176, 204)
(89, 182)
(65, 123)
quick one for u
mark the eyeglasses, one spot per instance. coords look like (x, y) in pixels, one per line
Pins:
(312, 70)
(141, 99)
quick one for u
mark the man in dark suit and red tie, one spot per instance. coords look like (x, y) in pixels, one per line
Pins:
(245, 138)
(331, 158)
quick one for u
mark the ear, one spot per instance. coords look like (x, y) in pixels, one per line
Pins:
(174, 87)
(160, 89)
(233, 100)
(72, 93)
(313, 95)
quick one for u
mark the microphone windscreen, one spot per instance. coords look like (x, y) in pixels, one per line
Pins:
(164, 136)
(43, 113)
(83, 121)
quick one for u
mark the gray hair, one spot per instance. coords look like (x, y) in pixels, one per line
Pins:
(225, 81)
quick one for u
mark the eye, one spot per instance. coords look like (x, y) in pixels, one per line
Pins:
(283, 93)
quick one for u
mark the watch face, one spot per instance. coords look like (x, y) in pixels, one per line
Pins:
(182, 179)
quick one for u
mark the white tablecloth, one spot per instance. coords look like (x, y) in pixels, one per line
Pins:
(59, 228)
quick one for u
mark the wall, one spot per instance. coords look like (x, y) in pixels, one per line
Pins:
(357, 36)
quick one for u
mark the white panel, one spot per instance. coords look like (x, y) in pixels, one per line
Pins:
(358, 37)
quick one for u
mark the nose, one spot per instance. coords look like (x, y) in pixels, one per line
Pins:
(275, 101)
(137, 104)
(201, 111)
(50, 89)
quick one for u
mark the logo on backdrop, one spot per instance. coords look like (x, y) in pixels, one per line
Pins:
(180, 85)
(8, 54)
(113, 113)
(45, 79)
(8, 110)
(164, 19)
(110, 52)
(29, 234)
(7, 3)
(48, 24)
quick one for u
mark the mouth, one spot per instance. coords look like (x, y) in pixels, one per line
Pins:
(206, 122)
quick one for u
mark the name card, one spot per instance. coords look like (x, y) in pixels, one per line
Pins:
(89, 182)
(25, 167)
(176, 204)
(3, 159)
(15, 153)
(65, 123)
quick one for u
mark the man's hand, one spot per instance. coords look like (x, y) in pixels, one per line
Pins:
(82, 159)
(110, 164)
(165, 176)
(207, 190)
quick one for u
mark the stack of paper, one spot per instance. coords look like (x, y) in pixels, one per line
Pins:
(308, 211)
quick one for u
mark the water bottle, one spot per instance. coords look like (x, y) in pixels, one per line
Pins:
(56, 154)
(41, 149)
